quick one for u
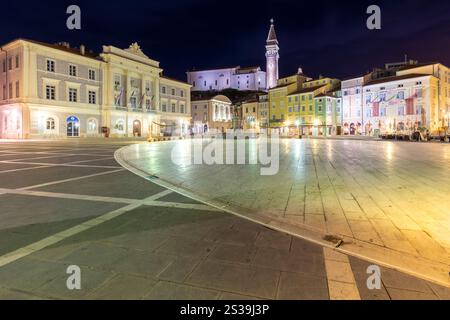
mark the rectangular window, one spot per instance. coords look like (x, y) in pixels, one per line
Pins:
(72, 70)
(9, 63)
(73, 95)
(163, 90)
(419, 93)
(10, 91)
(181, 108)
(173, 92)
(117, 82)
(50, 92)
(418, 110)
(164, 107)
(181, 93)
(91, 74)
(173, 107)
(401, 95)
(17, 62)
(17, 89)
(133, 102)
(4, 65)
(382, 96)
(147, 87)
(4, 92)
(401, 111)
(92, 97)
(50, 65)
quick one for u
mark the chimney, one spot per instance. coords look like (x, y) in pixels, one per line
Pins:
(82, 49)
(64, 44)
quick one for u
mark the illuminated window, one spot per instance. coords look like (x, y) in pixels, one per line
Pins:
(120, 125)
(92, 125)
(50, 124)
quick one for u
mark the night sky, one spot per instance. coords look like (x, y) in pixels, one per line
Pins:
(323, 37)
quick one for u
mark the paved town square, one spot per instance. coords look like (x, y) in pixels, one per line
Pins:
(71, 203)
(225, 152)
(375, 194)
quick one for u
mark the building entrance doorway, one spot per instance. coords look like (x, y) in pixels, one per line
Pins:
(73, 127)
(137, 128)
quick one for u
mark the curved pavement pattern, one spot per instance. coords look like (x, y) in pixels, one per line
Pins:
(388, 201)
(65, 203)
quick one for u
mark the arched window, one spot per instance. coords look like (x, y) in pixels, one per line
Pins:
(120, 125)
(92, 125)
(50, 124)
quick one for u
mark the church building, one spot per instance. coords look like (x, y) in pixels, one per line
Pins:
(240, 78)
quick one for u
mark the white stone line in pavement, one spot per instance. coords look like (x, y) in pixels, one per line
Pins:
(23, 169)
(191, 206)
(51, 240)
(69, 196)
(341, 281)
(61, 164)
(92, 160)
(70, 179)
(57, 154)
(150, 201)
(159, 195)
(35, 158)
(42, 244)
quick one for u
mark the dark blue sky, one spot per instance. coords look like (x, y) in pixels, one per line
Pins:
(324, 37)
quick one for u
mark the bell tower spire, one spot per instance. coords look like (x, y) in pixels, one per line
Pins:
(272, 57)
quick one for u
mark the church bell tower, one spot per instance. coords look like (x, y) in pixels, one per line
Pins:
(272, 57)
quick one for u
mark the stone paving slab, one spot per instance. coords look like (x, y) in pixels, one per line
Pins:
(118, 184)
(44, 175)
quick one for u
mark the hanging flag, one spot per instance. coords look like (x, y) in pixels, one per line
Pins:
(376, 109)
(142, 100)
(410, 106)
(119, 97)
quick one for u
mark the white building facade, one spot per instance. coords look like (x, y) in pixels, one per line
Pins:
(212, 113)
(243, 79)
(400, 105)
(54, 91)
(238, 78)
(352, 105)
